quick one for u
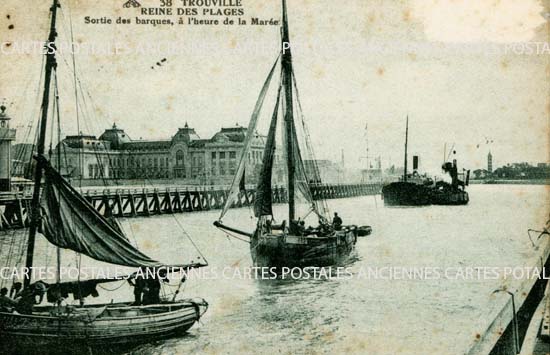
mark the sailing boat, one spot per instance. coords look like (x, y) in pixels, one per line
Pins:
(288, 245)
(411, 190)
(67, 220)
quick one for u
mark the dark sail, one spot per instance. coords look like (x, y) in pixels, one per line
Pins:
(250, 133)
(70, 222)
(301, 179)
(263, 203)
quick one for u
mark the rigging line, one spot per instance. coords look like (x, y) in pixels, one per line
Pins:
(83, 110)
(10, 252)
(57, 113)
(190, 239)
(60, 146)
(24, 102)
(8, 239)
(85, 92)
(58, 159)
(23, 93)
(97, 155)
(112, 289)
(75, 92)
(99, 164)
(133, 234)
(52, 122)
(151, 183)
(309, 145)
(23, 152)
(22, 245)
(98, 158)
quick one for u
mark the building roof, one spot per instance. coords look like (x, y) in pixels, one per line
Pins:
(199, 143)
(234, 134)
(117, 137)
(77, 141)
(186, 133)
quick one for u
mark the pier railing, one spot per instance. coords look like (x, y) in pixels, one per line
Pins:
(503, 329)
(137, 202)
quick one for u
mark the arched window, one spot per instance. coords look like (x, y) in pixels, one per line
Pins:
(180, 158)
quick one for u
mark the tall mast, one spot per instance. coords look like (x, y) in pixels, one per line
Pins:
(367, 143)
(289, 111)
(406, 143)
(35, 209)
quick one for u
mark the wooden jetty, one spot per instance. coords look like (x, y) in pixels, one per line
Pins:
(141, 202)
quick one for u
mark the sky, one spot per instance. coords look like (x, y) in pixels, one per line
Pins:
(471, 75)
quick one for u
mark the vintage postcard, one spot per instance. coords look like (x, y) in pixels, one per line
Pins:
(275, 177)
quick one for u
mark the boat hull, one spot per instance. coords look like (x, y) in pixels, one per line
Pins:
(451, 198)
(98, 326)
(288, 251)
(405, 194)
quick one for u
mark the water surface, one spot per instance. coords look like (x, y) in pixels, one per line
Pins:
(356, 315)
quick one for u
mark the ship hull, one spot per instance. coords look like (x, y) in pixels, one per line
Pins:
(97, 327)
(405, 194)
(288, 251)
(453, 198)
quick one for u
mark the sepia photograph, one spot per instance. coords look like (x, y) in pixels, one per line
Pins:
(275, 177)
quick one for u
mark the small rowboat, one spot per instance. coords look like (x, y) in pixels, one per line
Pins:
(363, 231)
(98, 325)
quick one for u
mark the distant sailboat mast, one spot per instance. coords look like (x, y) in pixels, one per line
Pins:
(406, 144)
(289, 113)
(35, 203)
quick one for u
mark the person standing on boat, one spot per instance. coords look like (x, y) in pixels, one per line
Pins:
(337, 222)
(6, 303)
(152, 292)
(15, 289)
(301, 227)
(139, 285)
(27, 298)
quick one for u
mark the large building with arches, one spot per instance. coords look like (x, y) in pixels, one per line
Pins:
(185, 157)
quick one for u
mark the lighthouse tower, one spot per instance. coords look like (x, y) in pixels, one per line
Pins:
(7, 135)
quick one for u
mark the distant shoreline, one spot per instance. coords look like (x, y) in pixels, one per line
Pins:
(512, 182)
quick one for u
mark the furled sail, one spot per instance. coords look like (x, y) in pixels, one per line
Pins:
(263, 202)
(70, 222)
(303, 176)
(300, 176)
(251, 131)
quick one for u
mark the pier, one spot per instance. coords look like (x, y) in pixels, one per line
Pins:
(142, 202)
(508, 325)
